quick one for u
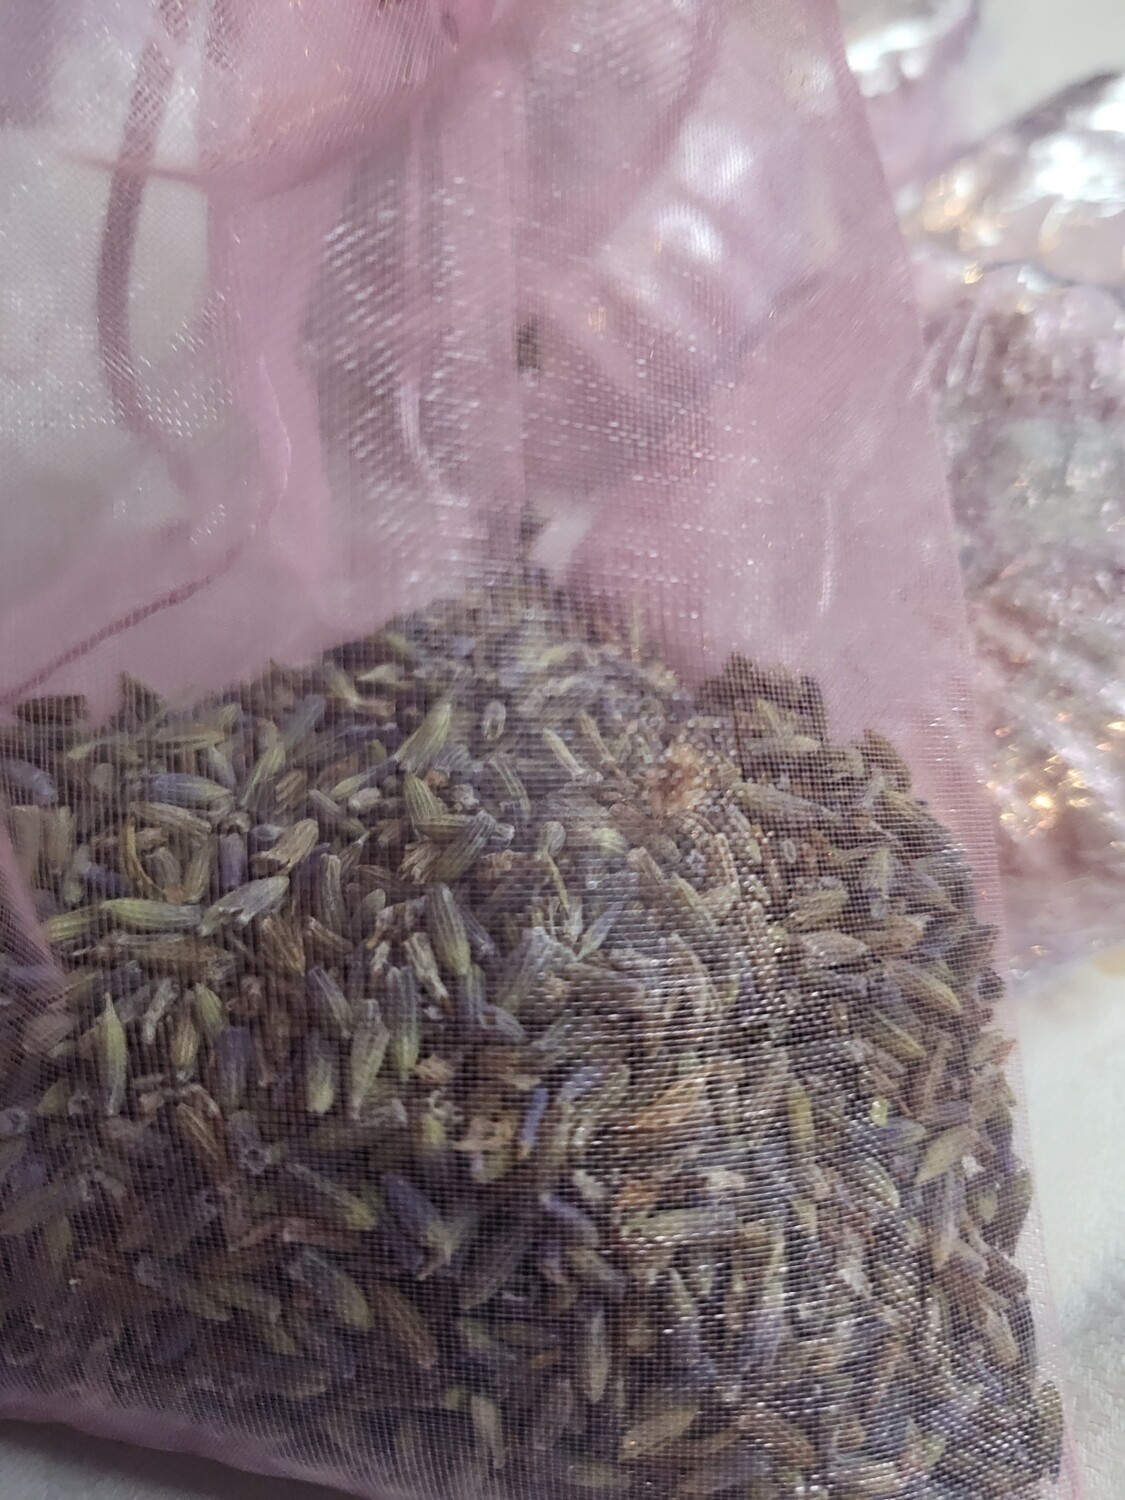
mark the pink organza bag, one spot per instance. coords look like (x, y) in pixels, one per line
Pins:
(304, 305)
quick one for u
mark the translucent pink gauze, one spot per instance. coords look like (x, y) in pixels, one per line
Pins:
(361, 214)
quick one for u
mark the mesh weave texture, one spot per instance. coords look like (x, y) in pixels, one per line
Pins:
(542, 1045)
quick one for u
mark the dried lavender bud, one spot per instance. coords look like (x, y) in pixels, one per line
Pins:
(472, 1051)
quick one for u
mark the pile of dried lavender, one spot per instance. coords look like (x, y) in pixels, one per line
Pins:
(478, 1069)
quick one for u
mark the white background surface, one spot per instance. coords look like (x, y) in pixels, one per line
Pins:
(1072, 1028)
(1073, 1037)
(1029, 48)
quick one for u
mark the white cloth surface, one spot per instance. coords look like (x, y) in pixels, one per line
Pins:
(1072, 1030)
